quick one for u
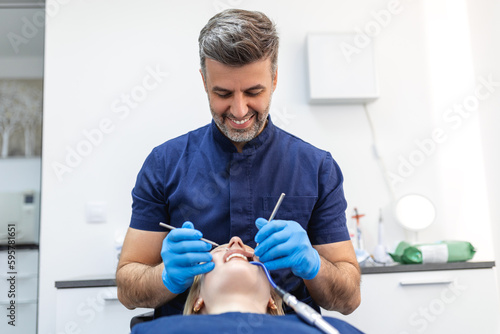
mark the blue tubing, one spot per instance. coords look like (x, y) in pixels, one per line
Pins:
(260, 264)
(304, 311)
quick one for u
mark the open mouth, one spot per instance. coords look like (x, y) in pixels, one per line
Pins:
(241, 123)
(238, 254)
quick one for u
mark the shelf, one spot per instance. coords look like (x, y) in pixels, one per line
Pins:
(401, 268)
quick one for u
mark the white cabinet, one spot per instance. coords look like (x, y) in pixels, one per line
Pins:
(21, 288)
(92, 310)
(336, 75)
(443, 301)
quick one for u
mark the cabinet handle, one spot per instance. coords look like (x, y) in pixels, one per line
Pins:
(113, 297)
(425, 282)
(109, 299)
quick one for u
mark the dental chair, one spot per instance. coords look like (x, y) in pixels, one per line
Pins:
(145, 317)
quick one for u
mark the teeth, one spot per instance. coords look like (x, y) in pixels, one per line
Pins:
(241, 122)
(236, 255)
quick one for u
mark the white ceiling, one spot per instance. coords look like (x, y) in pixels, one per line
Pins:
(17, 36)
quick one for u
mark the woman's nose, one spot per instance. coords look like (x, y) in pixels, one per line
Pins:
(236, 242)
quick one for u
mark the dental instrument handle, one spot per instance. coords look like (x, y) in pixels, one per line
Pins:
(277, 206)
(305, 312)
(170, 227)
(325, 326)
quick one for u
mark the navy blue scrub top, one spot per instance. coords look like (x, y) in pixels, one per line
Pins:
(201, 177)
(235, 322)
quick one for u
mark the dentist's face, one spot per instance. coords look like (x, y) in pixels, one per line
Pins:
(239, 98)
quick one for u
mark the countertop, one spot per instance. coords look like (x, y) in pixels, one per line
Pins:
(401, 268)
(106, 281)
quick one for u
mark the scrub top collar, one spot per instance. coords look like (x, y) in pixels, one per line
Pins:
(250, 147)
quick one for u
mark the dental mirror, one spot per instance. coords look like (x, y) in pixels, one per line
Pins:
(415, 212)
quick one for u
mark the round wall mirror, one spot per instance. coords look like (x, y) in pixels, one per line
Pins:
(415, 212)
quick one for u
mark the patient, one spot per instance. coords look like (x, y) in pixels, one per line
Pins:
(234, 285)
(235, 296)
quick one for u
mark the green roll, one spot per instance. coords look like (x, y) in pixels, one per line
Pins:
(439, 252)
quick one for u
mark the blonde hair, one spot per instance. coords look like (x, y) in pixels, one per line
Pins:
(194, 293)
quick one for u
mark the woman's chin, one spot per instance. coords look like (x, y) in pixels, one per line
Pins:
(240, 277)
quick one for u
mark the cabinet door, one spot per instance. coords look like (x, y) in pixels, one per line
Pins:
(452, 301)
(92, 310)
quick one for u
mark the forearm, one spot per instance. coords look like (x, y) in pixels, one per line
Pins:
(336, 287)
(140, 285)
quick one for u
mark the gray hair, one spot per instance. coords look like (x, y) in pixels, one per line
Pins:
(237, 37)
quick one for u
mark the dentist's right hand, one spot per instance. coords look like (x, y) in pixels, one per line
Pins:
(182, 252)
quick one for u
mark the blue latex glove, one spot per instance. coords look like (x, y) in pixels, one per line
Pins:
(285, 244)
(182, 252)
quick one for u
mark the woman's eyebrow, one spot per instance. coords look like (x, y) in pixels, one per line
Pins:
(225, 247)
(218, 249)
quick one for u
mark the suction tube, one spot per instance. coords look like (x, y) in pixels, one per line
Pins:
(304, 311)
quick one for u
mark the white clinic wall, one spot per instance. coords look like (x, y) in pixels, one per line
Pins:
(99, 54)
(484, 23)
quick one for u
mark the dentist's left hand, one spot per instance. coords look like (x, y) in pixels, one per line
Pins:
(285, 244)
(182, 252)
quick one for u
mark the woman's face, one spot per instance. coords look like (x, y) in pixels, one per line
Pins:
(233, 274)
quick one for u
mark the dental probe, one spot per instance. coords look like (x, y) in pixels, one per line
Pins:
(170, 227)
(304, 311)
(276, 207)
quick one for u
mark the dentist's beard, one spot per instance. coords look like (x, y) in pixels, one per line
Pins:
(242, 135)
